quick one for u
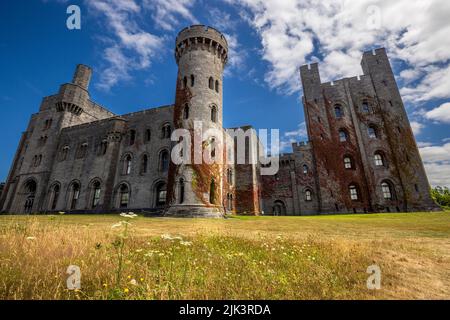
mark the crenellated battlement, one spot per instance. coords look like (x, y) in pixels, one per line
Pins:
(201, 37)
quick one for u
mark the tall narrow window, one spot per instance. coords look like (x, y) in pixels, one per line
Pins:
(217, 86)
(212, 191)
(308, 195)
(181, 190)
(211, 83)
(166, 131)
(64, 153)
(186, 112)
(338, 111)
(75, 195)
(161, 194)
(127, 165)
(372, 132)
(343, 135)
(55, 197)
(148, 135)
(213, 114)
(164, 161)
(353, 192)
(144, 164)
(192, 80)
(305, 169)
(230, 202)
(132, 137)
(365, 107)
(348, 163)
(379, 160)
(104, 147)
(213, 148)
(96, 190)
(387, 192)
(124, 196)
(30, 191)
(185, 81)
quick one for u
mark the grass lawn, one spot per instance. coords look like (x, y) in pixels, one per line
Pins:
(319, 257)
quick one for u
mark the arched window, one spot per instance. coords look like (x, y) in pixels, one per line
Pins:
(308, 195)
(161, 194)
(230, 202)
(372, 131)
(213, 114)
(30, 189)
(192, 80)
(230, 177)
(132, 137)
(185, 82)
(64, 153)
(124, 196)
(186, 112)
(164, 161)
(213, 148)
(144, 164)
(96, 190)
(148, 135)
(365, 107)
(217, 86)
(181, 190)
(348, 163)
(166, 131)
(386, 188)
(338, 112)
(55, 196)
(82, 150)
(343, 135)
(211, 83)
(212, 192)
(128, 162)
(305, 169)
(379, 159)
(74, 195)
(354, 194)
(104, 147)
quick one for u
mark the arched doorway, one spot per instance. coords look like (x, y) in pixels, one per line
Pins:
(279, 208)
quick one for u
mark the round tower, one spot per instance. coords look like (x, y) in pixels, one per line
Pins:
(195, 185)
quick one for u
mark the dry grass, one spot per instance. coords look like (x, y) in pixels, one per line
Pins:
(322, 257)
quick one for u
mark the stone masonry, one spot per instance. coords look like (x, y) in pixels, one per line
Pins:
(76, 156)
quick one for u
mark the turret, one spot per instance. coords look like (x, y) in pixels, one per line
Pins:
(201, 54)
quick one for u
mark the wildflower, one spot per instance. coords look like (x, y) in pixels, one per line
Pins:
(129, 277)
(31, 238)
(133, 282)
(129, 215)
(105, 285)
(126, 290)
(142, 279)
(186, 243)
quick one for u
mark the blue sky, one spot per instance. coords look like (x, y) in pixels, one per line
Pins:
(130, 44)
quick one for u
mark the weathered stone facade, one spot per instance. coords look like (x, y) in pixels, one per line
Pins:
(77, 156)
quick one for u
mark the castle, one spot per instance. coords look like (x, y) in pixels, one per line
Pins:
(76, 156)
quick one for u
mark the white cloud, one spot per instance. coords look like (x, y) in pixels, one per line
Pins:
(440, 114)
(417, 127)
(293, 136)
(437, 163)
(132, 48)
(335, 33)
(166, 13)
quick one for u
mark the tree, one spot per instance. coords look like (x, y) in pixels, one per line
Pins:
(441, 196)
